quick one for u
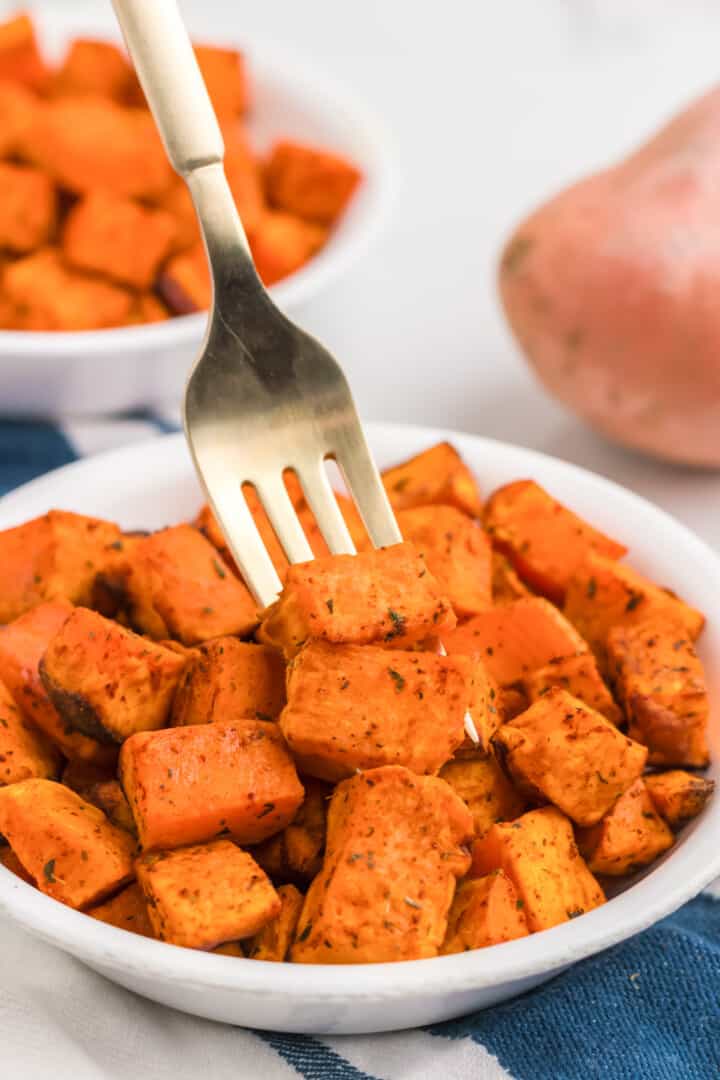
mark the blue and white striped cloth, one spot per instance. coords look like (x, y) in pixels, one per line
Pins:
(645, 1010)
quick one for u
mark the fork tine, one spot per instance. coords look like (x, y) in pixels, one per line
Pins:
(321, 500)
(364, 484)
(244, 540)
(284, 520)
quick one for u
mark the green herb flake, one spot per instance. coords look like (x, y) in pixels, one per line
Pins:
(634, 601)
(84, 855)
(49, 871)
(4, 722)
(601, 778)
(219, 568)
(591, 588)
(397, 679)
(117, 545)
(330, 605)
(207, 610)
(519, 904)
(398, 625)
(305, 933)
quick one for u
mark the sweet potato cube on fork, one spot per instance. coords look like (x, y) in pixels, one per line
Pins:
(386, 596)
(230, 679)
(25, 753)
(661, 682)
(356, 707)
(186, 785)
(179, 587)
(274, 940)
(67, 845)
(106, 681)
(206, 894)
(565, 752)
(485, 911)
(28, 207)
(394, 852)
(580, 676)
(678, 796)
(437, 476)
(20, 58)
(128, 911)
(630, 835)
(311, 183)
(539, 855)
(485, 789)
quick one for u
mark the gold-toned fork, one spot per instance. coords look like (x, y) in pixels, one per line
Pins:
(263, 396)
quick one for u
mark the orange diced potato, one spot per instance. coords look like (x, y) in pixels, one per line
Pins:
(393, 856)
(513, 701)
(356, 707)
(295, 854)
(179, 587)
(107, 682)
(539, 855)
(281, 243)
(24, 751)
(109, 797)
(226, 79)
(52, 557)
(506, 585)
(485, 789)
(485, 911)
(544, 540)
(515, 639)
(630, 835)
(185, 284)
(660, 680)
(52, 296)
(457, 552)
(28, 207)
(128, 911)
(186, 785)
(244, 175)
(678, 796)
(230, 948)
(94, 67)
(111, 235)
(20, 59)
(565, 752)
(383, 596)
(177, 201)
(231, 678)
(67, 845)
(18, 114)
(311, 183)
(10, 861)
(274, 940)
(434, 477)
(603, 594)
(207, 894)
(579, 675)
(148, 308)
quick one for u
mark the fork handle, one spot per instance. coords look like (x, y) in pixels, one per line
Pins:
(163, 56)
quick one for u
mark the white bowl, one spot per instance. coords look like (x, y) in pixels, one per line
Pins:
(114, 370)
(154, 484)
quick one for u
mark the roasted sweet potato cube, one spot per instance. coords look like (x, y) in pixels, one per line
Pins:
(231, 948)
(296, 853)
(52, 557)
(457, 552)
(226, 79)
(630, 835)
(506, 584)
(274, 940)
(230, 679)
(107, 682)
(544, 540)
(22, 645)
(515, 639)
(281, 243)
(10, 861)
(177, 201)
(360, 706)
(93, 67)
(18, 113)
(25, 752)
(392, 859)
(186, 785)
(485, 911)
(485, 789)
(437, 476)
(678, 796)
(128, 911)
(67, 845)
(179, 587)
(109, 797)
(539, 855)
(563, 751)
(113, 236)
(20, 58)
(90, 142)
(148, 308)
(244, 175)
(53, 296)
(513, 701)
(383, 596)
(28, 207)
(579, 675)
(311, 183)
(184, 283)
(203, 895)
(603, 594)
(660, 680)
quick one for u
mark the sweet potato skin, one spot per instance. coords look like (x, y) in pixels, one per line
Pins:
(230, 678)
(485, 789)
(128, 911)
(661, 681)
(539, 855)
(67, 845)
(485, 911)
(629, 836)
(438, 475)
(273, 941)
(679, 796)
(393, 855)
(186, 785)
(204, 895)
(25, 753)
(562, 750)
(416, 719)
(579, 675)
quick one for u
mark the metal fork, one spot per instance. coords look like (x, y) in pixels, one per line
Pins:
(263, 396)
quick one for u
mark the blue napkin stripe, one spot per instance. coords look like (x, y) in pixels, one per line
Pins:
(311, 1058)
(29, 448)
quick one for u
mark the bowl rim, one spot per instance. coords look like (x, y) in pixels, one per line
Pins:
(683, 873)
(381, 170)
